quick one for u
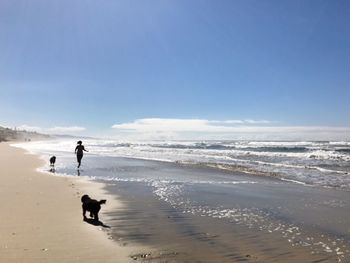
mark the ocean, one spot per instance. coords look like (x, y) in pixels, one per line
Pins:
(294, 194)
(321, 163)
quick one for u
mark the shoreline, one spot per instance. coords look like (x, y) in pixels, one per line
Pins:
(266, 221)
(42, 219)
(168, 212)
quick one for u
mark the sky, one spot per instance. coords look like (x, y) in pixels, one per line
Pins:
(177, 69)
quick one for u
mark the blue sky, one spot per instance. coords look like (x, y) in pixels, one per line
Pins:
(147, 66)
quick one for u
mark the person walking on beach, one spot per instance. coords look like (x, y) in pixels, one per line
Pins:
(79, 151)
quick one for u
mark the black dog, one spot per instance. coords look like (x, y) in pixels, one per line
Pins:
(52, 161)
(91, 205)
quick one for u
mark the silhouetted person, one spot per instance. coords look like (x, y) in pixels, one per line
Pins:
(79, 151)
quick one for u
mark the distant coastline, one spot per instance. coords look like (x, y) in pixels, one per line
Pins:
(7, 134)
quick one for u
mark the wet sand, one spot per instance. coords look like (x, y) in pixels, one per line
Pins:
(200, 214)
(269, 221)
(41, 218)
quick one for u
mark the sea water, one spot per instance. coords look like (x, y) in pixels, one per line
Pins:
(321, 163)
(257, 184)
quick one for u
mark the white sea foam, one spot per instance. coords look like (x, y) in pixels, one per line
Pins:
(320, 163)
(306, 163)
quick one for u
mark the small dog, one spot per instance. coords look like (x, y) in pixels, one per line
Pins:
(52, 161)
(91, 205)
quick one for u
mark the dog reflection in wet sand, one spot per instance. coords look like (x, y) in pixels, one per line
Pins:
(52, 164)
(91, 205)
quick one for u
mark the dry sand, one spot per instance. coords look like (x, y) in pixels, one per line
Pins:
(41, 218)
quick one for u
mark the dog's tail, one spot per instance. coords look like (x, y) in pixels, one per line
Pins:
(102, 202)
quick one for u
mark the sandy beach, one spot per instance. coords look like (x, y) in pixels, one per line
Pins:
(162, 212)
(41, 217)
(201, 131)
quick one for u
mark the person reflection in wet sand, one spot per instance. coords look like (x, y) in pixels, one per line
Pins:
(79, 152)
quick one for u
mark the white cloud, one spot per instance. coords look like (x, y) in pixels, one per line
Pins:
(184, 125)
(242, 122)
(226, 129)
(156, 124)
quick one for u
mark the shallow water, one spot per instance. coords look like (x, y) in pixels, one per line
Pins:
(317, 163)
(276, 221)
(202, 213)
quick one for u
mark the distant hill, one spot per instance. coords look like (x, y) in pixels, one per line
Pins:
(7, 134)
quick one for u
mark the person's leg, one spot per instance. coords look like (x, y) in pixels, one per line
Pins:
(79, 157)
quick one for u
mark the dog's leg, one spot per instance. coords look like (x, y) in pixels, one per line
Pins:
(96, 213)
(96, 216)
(84, 211)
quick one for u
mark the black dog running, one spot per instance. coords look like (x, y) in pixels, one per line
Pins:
(91, 205)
